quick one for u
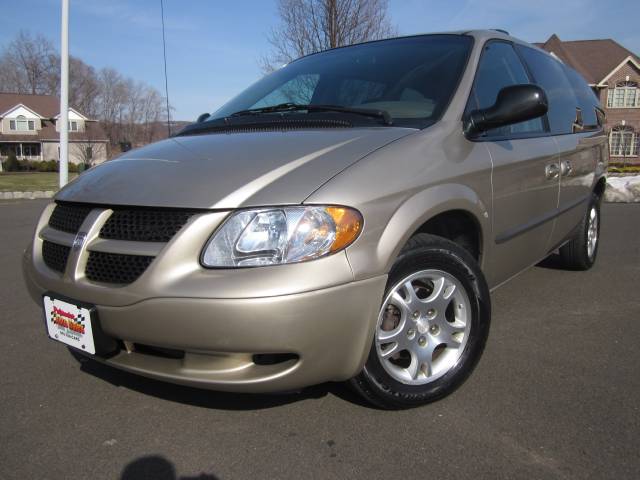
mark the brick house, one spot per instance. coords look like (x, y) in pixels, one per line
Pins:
(613, 72)
(29, 127)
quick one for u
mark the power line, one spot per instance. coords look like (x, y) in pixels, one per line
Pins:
(166, 80)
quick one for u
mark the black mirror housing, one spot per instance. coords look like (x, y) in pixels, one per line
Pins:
(202, 117)
(514, 104)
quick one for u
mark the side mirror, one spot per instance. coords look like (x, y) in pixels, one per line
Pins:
(514, 104)
(202, 117)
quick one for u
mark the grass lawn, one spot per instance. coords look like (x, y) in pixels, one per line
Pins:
(30, 181)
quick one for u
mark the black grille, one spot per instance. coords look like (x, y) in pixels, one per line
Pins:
(145, 225)
(68, 217)
(55, 256)
(116, 268)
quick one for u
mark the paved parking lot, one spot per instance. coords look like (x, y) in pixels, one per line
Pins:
(556, 395)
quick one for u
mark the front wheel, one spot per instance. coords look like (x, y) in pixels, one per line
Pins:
(432, 326)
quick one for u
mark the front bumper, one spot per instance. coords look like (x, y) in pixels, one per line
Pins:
(324, 330)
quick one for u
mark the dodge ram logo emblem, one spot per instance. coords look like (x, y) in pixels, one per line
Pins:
(79, 241)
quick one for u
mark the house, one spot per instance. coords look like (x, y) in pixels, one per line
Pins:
(613, 72)
(30, 127)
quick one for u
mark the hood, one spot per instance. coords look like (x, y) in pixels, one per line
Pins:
(227, 171)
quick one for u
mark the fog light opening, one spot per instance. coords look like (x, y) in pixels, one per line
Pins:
(273, 358)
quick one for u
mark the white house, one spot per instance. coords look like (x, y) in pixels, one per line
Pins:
(29, 127)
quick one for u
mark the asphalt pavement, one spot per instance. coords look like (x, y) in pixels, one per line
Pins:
(556, 395)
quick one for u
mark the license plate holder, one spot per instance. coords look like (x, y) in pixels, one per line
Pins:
(70, 322)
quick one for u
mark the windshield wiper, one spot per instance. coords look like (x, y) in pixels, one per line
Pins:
(294, 107)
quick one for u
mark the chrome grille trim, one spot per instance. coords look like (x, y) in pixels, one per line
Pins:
(107, 261)
(57, 236)
(149, 249)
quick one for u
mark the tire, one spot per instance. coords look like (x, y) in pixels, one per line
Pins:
(581, 251)
(427, 342)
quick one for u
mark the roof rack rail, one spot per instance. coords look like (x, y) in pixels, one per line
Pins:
(500, 30)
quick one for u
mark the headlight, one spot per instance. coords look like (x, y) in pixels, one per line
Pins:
(275, 236)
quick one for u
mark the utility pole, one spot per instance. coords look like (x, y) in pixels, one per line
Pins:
(64, 96)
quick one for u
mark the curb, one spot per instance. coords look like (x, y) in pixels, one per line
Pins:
(27, 195)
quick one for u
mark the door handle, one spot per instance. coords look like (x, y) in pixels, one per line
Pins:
(552, 170)
(565, 168)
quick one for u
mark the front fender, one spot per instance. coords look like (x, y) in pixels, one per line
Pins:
(374, 256)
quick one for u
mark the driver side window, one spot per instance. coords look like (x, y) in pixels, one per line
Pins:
(500, 67)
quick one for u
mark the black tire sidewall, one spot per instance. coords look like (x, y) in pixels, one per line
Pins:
(448, 257)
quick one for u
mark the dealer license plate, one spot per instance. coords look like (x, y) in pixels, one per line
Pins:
(69, 323)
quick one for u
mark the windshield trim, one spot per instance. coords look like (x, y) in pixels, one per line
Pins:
(445, 34)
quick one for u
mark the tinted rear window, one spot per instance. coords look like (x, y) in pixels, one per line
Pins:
(549, 73)
(587, 100)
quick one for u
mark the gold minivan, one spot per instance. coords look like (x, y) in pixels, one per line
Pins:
(342, 219)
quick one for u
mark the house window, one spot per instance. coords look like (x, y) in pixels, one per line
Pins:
(21, 124)
(623, 141)
(30, 150)
(73, 126)
(624, 95)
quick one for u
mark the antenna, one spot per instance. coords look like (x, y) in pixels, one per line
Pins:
(166, 81)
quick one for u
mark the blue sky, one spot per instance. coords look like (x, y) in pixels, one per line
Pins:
(213, 46)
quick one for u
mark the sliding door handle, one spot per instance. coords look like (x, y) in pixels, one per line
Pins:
(565, 168)
(552, 171)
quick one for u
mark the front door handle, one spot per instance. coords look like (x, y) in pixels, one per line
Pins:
(552, 171)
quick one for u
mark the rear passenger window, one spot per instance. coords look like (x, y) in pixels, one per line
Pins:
(549, 74)
(500, 67)
(587, 100)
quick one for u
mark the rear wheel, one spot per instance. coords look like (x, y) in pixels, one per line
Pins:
(580, 253)
(432, 326)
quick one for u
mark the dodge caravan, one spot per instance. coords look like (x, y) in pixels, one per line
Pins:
(343, 219)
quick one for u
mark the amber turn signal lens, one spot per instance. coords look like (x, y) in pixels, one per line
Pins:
(348, 226)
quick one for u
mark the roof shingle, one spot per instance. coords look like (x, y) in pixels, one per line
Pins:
(594, 59)
(47, 106)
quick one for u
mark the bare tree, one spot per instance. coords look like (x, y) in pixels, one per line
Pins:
(84, 86)
(152, 110)
(309, 26)
(27, 65)
(87, 150)
(111, 103)
(129, 111)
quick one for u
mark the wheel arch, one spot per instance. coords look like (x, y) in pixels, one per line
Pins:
(600, 187)
(445, 210)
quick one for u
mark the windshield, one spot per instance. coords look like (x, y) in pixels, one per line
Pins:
(411, 78)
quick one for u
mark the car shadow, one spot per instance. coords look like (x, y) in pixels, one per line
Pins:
(213, 399)
(552, 262)
(156, 467)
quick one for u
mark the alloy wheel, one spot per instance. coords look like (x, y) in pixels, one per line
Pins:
(423, 327)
